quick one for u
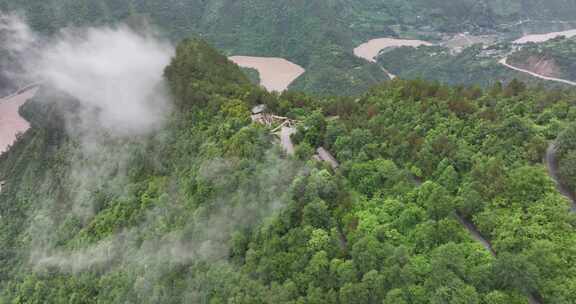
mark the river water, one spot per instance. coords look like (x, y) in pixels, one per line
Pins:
(545, 37)
(370, 50)
(11, 123)
(276, 74)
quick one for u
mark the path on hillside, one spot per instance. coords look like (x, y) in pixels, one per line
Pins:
(285, 128)
(477, 236)
(533, 298)
(552, 166)
(475, 233)
(504, 62)
(286, 140)
(470, 226)
(390, 75)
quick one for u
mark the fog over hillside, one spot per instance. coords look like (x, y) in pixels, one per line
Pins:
(113, 80)
(395, 152)
(113, 70)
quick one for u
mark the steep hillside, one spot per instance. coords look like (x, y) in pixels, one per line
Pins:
(310, 34)
(207, 209)
(554, 58)
(69, 207)
(473, 66)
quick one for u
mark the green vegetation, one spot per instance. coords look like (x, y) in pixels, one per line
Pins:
(469, 67)
(317, 35)
(555, 57)
(207, 210)
(311, 34)
(473, 65)
(253, 75)
(369, 18)
(566, 158)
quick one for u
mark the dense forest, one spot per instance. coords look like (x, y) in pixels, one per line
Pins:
(564, 160)
(208, 209)
(480, 64)
(471, 66)
(317, 35)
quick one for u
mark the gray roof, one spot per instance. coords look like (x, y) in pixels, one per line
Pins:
(259, 109)
(324, 155)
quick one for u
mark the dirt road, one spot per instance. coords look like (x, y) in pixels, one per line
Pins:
(505, 63)
(552, 166)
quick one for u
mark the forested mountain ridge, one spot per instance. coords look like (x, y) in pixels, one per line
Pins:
(308, 33)
(181, 18)
(317, 35)
(478, 65)
(208, 210)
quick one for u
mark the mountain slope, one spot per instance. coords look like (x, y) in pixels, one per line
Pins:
(206, 209)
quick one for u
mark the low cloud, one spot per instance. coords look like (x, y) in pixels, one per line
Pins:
(18, 43)
(116, 75)
(15, 34)
(114, 72)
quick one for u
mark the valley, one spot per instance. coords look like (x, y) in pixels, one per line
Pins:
(370, 208)
(289, 152)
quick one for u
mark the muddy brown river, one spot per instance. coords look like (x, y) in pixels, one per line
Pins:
(372, 48)
(545, 37)
(276, 74)
(11, 123)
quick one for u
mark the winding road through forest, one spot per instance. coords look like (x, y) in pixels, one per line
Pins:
(369, 51)
(538, 38)
(475, 233)
(552, 166)
(504, 62)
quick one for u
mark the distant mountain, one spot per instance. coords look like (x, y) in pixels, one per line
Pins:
(318, 35)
